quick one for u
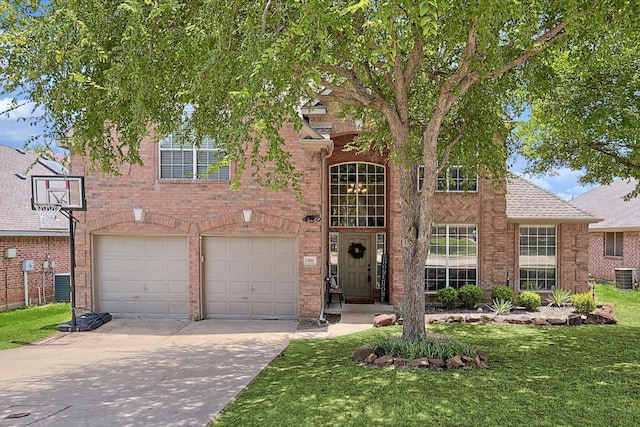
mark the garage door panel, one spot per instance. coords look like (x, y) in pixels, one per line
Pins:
(262, 289)
(264, 264)
(285, 288)
(263, 268)
(142, 276)
(285, 309)
(284, 247)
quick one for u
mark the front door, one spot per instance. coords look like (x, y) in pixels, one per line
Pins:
(357, 264)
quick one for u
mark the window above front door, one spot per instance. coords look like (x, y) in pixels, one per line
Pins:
(357, 195)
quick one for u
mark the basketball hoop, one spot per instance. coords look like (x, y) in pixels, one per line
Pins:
(50, 216)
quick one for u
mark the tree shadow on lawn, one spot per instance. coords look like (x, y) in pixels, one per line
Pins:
(555, 376)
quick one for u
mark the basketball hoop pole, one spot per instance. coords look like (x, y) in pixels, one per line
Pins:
(72, 271)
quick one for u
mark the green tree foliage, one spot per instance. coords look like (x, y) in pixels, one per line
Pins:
(432, 81)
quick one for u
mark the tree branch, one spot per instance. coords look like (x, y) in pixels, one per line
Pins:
(541, 44)
(447, 149)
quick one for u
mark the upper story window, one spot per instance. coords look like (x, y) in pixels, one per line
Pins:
(452, 180)
(180, 160)
(357, 195)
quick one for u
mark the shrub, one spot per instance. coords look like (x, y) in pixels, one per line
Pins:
(433, 347)
(470, 295)
(529, 300)
(447, 297)
(501, 307)
(583, 303)
(503, 293)
(559, 297)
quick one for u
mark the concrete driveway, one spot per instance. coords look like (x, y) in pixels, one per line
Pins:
(134, 372)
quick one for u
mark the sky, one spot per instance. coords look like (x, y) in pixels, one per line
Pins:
(15, 132)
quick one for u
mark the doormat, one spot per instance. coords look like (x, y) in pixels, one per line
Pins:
(359, 300)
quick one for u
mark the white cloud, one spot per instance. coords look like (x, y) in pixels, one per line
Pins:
(15, 126)
(24, 110)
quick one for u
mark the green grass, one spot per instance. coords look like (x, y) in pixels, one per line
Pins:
(24, 326)
(565, 376)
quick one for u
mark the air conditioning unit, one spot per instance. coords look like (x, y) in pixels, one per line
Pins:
(626, 278)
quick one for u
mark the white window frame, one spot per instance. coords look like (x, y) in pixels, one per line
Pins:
(355, 202)
(445, 177)
(534, 249)
(614, 248)
(200, 160)
(450, 259)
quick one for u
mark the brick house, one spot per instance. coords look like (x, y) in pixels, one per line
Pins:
(614, 243)
(172, 240)
(21, 236)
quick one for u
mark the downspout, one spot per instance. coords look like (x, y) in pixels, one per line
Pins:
(324, 228)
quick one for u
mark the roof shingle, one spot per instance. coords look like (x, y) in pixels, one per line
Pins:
(607, 201)
(528, 202)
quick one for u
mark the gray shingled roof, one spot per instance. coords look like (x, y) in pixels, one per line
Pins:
(607, 202)
(16, 216)
(528, 202)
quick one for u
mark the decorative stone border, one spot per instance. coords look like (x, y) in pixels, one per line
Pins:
(366, 356)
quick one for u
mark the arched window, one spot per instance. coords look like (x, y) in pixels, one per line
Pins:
(357, 195)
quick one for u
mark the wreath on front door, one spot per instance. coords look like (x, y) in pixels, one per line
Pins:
(356, 250)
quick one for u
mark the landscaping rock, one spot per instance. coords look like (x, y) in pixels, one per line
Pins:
(384, 320)
(420, 363)
(370, 358)
(361, 353)
(454, 363)
(456, 319)
(603, 315)
(437, 363)
(574, 320)
(385, 360)
(399, 361)
(539, 322)
(474, 319)
(556, 322)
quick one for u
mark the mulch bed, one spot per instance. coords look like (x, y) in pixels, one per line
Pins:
(330, 319)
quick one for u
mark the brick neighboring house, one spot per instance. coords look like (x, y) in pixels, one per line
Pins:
(614, 242)
(21, 237)
(170, 240)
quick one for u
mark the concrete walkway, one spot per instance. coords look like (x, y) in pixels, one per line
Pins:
(133, 372)
(136, 372)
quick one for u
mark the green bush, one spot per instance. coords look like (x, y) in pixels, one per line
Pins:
(447, 297)
(502, 293)
(559, 297)
(529, 300)
(433, 347)
(583, 303)
(470, 295)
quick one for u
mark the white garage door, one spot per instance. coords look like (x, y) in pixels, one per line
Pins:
(142, 276)
(250, 277)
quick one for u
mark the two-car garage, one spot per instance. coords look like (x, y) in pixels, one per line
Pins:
(243, 277)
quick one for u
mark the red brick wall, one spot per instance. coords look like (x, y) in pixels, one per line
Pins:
(572, 257)
(603, 267)
(38, 249)
(195, 208)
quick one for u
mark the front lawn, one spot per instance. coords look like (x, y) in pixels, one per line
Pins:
(24, 326)
(537, 376)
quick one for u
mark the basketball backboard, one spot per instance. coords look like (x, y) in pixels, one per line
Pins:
(64, 191)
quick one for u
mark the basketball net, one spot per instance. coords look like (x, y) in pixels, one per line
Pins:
(50, 216)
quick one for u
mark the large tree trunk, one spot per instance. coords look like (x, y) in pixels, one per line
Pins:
(417, 218)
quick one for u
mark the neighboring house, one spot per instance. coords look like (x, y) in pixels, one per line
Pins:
(21, 236)
(614, 243)
(170, 240)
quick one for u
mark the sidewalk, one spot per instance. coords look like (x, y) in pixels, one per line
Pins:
(354, 318)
